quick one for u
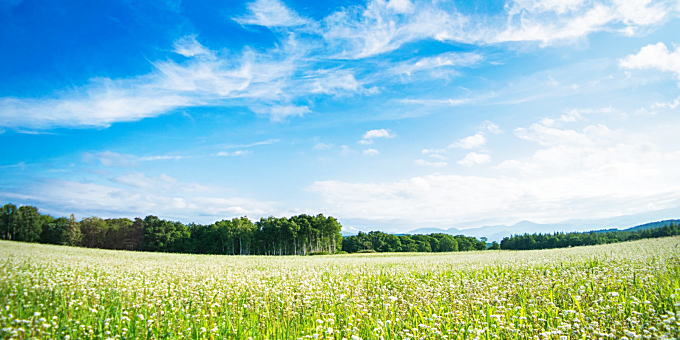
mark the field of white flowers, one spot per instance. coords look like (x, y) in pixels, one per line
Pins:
(624, 291)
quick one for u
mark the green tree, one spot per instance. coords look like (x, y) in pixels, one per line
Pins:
(54, 230)
(8, 215)
(28, 224)
(162, 235)
(94, 232)
(73, 234)
(447, 243)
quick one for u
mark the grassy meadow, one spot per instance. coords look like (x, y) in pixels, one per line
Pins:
(626, 290)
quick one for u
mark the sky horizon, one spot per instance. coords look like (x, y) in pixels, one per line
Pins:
(389, 115)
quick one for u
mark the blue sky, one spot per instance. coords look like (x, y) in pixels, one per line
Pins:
(390, 115)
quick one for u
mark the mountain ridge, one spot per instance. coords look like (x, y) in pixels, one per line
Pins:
(497, 232)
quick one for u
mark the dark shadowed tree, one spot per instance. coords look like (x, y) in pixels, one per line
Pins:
(8, 215)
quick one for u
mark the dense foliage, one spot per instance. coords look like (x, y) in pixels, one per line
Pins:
(302, 234)
(382, 242)
(562, 240)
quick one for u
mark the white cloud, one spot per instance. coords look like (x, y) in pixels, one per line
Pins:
(400, 6)
(370, 135)
(253, 144)
(370, 152)
(271, 13)
(438, 154)
(188, 46)
(381, 26)
(99, 107)
(475, 141)
(281, 112)
(162, 157)
(594, 170)
(448, 59)
(549, 21)
(250, 79)
(547, 135)
(137, 194)
(489, 126)
(474, 158)
(359, 32)
(170, 86)
(115, 159)
(298, 67)
(334, 82)
(656, 56)
(378, 133)
(671, 105)
(578, 170)
(432, 151)
(471, 142)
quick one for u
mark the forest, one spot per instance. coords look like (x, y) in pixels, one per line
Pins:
(297, 235)
(377, 241)
(573, 239)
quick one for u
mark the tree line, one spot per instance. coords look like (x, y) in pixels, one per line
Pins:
(297, 235)
(377, 241)
(573, 239)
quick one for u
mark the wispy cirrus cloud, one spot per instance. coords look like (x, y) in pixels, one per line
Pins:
(204, 79)
(553, 21)
(271, 13)
(310, 58)
(116, 159)
(188, 46)
(281, 112)
(250, 145)
(444, 60)
(382, 26)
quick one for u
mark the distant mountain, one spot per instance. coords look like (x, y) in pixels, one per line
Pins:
(658, 224)
(498, 232)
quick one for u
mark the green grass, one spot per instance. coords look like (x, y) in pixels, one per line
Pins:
(617, 290)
